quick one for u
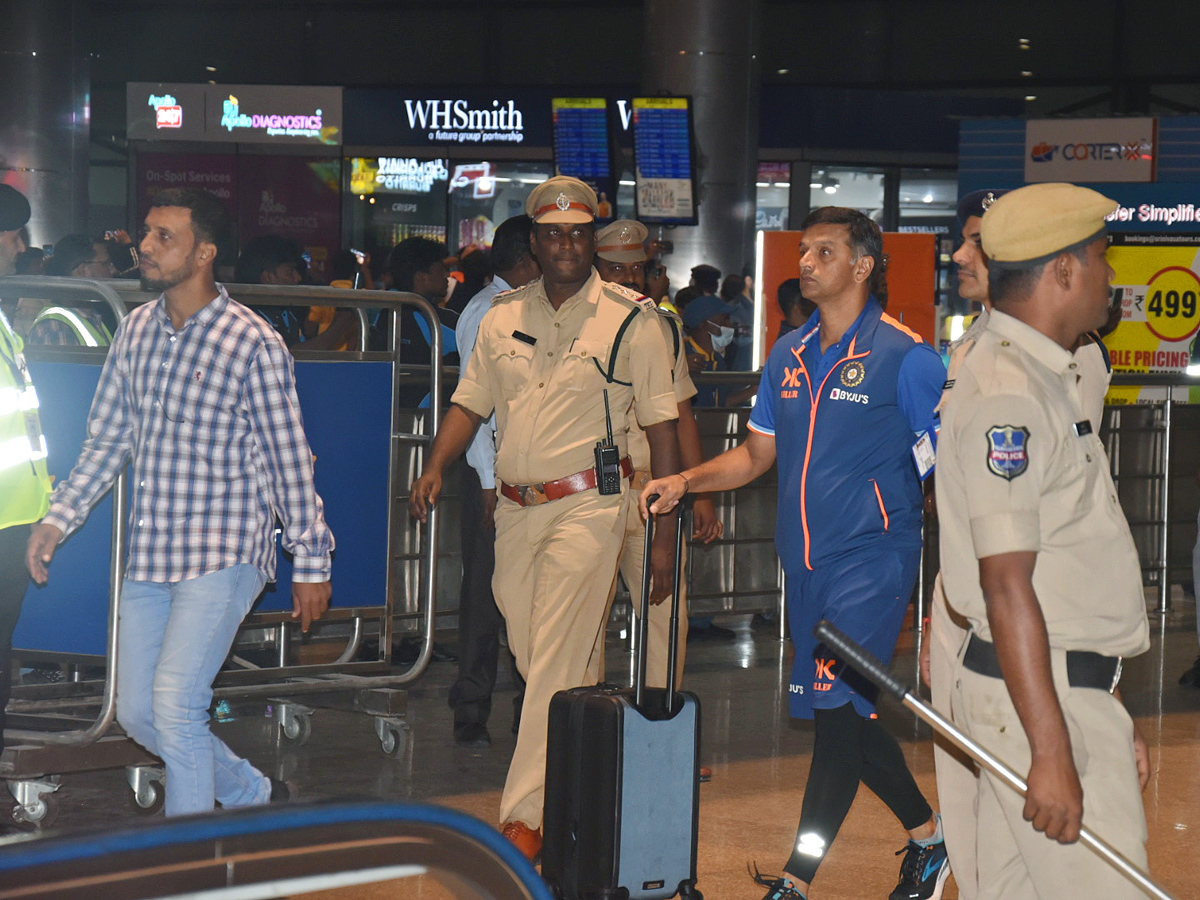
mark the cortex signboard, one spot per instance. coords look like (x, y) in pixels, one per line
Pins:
(244, 113)
(1157, 289)
(1092, 150)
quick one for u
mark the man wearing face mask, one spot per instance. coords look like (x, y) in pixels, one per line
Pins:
(709, 334)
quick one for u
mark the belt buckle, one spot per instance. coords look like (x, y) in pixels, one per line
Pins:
(1116, 675)
(532, 494)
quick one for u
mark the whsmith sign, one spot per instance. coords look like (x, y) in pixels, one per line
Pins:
(513, 117)
(241, 113)
(1091, 150)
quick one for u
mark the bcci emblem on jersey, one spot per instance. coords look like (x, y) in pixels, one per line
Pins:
(1008, 450)
(853, 374)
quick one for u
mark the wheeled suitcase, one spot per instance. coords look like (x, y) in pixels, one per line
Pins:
(622, 780)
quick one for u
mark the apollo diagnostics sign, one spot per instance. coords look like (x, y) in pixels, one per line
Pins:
(1090, 150)
(234, 113)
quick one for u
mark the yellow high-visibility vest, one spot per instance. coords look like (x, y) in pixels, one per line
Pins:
(24, 481)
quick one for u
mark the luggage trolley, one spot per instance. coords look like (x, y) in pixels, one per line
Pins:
(68, 727)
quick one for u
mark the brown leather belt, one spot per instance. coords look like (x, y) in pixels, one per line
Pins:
(544, 492)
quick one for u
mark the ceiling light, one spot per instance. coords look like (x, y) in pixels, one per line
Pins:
(815, 185)
(1026, 74)
(831, 188)
(1030, 98)
(928, 198)
(210, 68)
(782, 71)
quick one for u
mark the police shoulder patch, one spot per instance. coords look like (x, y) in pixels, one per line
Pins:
(1008, 450)
(626, 295)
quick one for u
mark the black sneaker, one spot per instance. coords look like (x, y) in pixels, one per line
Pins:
(923, 873)
(777, 888)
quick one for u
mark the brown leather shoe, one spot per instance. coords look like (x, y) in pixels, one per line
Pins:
(526, 839)
(705, 773)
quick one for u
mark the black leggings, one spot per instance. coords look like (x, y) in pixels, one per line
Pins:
(850, 749)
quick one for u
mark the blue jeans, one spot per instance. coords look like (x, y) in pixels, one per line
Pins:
(172, 640)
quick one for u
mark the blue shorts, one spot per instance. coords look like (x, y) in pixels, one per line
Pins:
(866, 594)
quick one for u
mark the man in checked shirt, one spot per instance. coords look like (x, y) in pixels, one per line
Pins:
(198, 395)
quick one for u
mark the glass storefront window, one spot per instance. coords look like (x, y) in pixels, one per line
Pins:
(928, 198)
(484, 194)
(772, 191)
(860, 189)
(393, 198)
(928, 204)
(388, 199)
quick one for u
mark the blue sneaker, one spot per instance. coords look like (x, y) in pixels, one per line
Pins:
(923, 873)
(778, 888)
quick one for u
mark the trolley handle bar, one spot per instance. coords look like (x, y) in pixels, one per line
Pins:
(860, 658)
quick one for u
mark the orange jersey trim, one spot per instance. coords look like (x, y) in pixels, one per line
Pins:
(812, 424)
(882, 509)
(900, 326)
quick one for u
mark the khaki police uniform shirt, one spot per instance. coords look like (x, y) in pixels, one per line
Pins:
(685, 389)
(1015, 475)
(540, 370)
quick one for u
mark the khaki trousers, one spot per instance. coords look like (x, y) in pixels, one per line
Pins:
(555, 564)
(957, 777)
(658, 626)
(1014, 861)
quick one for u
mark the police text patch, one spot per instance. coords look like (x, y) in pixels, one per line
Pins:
(1008, 450)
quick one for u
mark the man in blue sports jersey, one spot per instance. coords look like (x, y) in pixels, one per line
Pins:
(846, 403)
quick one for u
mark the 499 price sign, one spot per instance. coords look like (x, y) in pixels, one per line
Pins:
(1171, 303)
(1158, 290)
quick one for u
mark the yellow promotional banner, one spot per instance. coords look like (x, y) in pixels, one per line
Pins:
(1158, 290)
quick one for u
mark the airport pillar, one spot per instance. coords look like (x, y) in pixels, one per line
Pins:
(710, 49)
(44, 113)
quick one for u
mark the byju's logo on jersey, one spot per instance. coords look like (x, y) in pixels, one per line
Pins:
(1008, 450)
(853, 374)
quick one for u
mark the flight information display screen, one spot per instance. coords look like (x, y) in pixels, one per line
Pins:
(665, 171)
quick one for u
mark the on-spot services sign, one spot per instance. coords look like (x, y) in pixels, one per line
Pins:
(1090, 150)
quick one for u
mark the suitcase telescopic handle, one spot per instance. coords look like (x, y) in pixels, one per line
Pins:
(639, 680)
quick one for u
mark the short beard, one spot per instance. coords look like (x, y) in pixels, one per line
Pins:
(161, 285)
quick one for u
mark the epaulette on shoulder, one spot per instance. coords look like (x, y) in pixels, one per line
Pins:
(669, 314)
(511, 294)
(628, 296)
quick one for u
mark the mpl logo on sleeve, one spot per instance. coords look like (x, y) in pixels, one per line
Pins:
(1090, 149)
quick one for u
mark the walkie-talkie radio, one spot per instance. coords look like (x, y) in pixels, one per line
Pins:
(608, 458)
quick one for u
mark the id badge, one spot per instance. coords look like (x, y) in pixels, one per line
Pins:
(924, 455)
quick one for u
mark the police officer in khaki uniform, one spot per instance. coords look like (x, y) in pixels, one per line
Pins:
(1037, 555)
(545, 356)
(956, 773)
(621, 259)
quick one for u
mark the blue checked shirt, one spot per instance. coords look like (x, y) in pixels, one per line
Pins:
(210, 418)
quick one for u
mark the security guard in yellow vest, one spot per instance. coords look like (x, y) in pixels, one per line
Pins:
(24, 482)
(546, 356)
(71, 325)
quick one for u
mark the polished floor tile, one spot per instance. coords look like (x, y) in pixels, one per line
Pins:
(759, 757)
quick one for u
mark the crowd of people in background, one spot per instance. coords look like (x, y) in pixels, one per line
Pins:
(719, 329)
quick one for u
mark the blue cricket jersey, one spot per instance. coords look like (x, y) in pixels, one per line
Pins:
(844, 424)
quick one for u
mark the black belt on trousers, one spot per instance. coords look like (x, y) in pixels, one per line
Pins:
(1085, 669)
